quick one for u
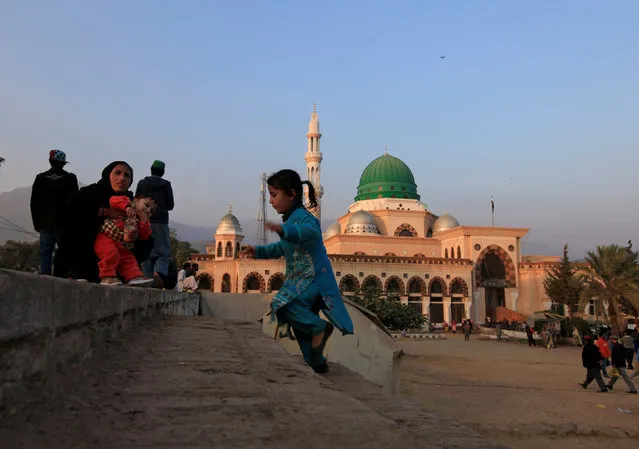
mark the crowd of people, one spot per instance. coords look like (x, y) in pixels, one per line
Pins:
(103, 232)
(609, 351)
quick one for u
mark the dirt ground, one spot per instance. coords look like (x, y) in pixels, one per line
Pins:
(518, 396)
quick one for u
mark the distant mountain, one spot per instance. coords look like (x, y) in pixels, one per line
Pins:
(15, 213)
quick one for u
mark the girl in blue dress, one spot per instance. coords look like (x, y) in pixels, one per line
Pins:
(309, 284)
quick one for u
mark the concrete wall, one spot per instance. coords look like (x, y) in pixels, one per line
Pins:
(370, 352)
(47, 323)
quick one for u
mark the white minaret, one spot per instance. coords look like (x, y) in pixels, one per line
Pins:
(313, 159)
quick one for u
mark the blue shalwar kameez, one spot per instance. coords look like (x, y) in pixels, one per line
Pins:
(309, 284)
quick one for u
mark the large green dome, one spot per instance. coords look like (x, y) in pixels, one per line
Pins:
(387, 177)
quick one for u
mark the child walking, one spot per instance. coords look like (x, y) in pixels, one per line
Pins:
(309, 284)
(115, 240)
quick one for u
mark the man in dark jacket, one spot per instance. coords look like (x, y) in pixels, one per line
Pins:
(49, 195)
(591, 359)
(619, 361)
(157, 266)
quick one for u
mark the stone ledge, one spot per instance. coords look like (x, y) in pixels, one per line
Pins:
(48, 323)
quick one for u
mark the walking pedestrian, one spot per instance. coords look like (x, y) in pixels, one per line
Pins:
(619, 362)
(591, 360)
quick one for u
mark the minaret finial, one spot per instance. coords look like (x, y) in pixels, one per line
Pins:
(315, 107)
(230, 208)
(386, 149)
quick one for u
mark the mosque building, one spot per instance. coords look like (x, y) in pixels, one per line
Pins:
(391, 241)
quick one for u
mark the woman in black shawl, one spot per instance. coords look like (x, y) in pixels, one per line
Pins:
(84, 215)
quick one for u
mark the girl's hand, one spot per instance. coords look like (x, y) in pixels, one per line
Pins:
(273, 227)
(130, 212)
(248, 252)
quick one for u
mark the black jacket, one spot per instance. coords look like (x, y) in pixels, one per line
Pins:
(590, 355)
(162, 193)
(49, 195)
(618, 356)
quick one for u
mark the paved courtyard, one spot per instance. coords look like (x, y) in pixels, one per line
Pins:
(518, 396)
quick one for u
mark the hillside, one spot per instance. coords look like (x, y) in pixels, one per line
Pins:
(14, 208)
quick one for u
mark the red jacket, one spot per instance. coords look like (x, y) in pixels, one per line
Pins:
(604, 349)
(114, 227)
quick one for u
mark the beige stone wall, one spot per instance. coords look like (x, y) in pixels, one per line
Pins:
(532, 295)
(375, 245)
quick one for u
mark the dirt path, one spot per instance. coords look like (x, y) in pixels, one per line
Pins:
(518, 396)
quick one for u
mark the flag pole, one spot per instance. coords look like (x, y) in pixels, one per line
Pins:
(492, 207)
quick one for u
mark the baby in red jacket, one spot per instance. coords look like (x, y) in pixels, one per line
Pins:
(113, 243)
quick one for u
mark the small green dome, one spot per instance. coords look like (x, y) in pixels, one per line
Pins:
(387, 177)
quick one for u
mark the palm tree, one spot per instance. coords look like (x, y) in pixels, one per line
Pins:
(610, 278)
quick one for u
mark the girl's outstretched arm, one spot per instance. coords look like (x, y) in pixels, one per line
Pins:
(271, 251)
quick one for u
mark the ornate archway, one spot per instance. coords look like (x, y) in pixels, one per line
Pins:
(405, 230)
(254, 281)
(416, 285)
(348, 283)
(372, 282)
(205, 282)
(275, 282)
(459, 286)
(495, 268)
(437, 286)
(394, 285)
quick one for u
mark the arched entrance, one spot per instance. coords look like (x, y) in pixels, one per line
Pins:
(226, 283)
(437, 290)
(495, 272)
(205, 282)
(254, 282)
(349, 284)
(275, 282)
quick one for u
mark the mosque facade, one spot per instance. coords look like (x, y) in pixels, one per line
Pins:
(390, 241)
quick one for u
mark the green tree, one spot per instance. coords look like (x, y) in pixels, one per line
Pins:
(610, 279)
(391, 312)
(20, 256)
(180, 251)
(562, 284)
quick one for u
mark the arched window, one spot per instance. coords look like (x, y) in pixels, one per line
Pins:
(446, 253)
(219, 249)
(458, 252)
(237, 249)
(429, 233)
(228, 252)
(349, 284)
(452, 252)
(275, 282)
(226, 283)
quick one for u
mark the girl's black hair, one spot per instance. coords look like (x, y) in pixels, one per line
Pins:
(288, 180)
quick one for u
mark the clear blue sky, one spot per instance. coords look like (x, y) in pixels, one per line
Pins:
(536, 102)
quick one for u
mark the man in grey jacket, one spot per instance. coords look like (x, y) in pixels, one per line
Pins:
(158, 188)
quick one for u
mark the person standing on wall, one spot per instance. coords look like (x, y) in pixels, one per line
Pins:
(50, 193)
(157, 265)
